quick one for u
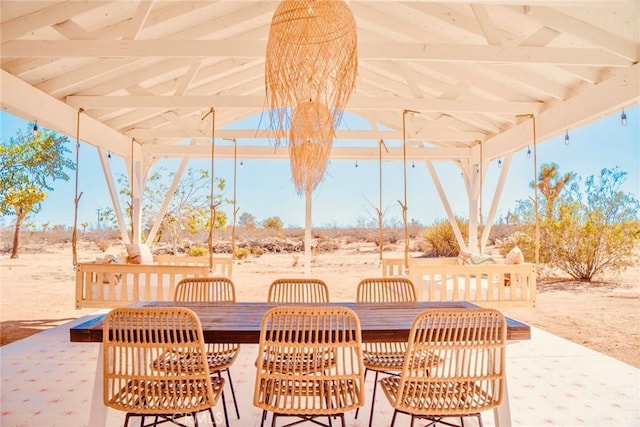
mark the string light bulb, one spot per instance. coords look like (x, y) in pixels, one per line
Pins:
(528, 152)
(566, 138)
(499, 163)
(413, 165)
(356, 163)
(35, 128)
(623, 118)
(241, 163)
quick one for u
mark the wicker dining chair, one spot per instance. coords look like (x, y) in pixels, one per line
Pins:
(471, 344)
(385, 357)
(298, 290)
(133, 339)
(301, 291)
(213, 289)
(309, 392)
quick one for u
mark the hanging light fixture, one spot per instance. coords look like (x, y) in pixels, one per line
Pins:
(528, 152)
(499, 163)
(356, 164)
(310, 142)
(566, 138)
(311, 57)
(35, 128)
(623, 118)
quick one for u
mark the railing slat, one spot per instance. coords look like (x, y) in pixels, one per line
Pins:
(492, 285)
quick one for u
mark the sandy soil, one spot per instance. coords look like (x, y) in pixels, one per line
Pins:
(37, 292)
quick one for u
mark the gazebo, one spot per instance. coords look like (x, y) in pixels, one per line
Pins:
(461, 82)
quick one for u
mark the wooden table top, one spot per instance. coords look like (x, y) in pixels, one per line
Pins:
(240, 322)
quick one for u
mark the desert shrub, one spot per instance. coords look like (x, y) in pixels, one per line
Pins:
(257, 251)
(393, 235)
(525, 241)
(348, 239)
(240, 253)
(273, 222)
(197, 250)
(587, 230)
(440, 239)
(103, 245)
(328, 245)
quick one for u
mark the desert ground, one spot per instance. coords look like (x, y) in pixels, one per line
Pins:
(37, 292)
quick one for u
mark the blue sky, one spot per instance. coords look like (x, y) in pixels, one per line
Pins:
(349, 195)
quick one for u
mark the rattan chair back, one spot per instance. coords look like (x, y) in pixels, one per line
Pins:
(470, 378)
(315, 386)
(205, 289)
(220, 356)
(134, 338)
(298, 290)
(384, 357)
(386, 289)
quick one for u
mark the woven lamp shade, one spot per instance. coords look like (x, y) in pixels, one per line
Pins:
(311, 56)
(310, 140)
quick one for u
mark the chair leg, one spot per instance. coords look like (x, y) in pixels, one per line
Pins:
(373, 398)
(233, 393)
(224, 404)
(366, 370)
(393, 418)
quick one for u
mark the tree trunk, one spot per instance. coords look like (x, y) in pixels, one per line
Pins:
(16, 236)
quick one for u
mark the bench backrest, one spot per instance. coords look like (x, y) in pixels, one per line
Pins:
(116, 285)
(489, 285)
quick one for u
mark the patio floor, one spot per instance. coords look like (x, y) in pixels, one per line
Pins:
(48, 381)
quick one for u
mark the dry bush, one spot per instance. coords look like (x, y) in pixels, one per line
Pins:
(241, 253)
(257, 251)
(441, 240)
(328, 245)
(103, 245)
(197, 250)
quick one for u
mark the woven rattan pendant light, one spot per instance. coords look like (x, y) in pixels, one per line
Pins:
(310, 72)
(310, 141)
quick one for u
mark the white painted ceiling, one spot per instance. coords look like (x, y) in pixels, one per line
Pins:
(150, 71)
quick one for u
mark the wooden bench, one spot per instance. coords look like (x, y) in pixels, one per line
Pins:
(115, 285)
(490, 285)
(221, 266)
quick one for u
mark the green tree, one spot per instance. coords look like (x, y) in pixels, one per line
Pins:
(597, 227)
(108, 216)
(550, 188)
(84, 226)
(247, 220)
(550, 185)
(189, 209)
(28, 164)
(587, 230)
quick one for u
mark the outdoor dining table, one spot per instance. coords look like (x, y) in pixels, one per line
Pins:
(240, 323)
